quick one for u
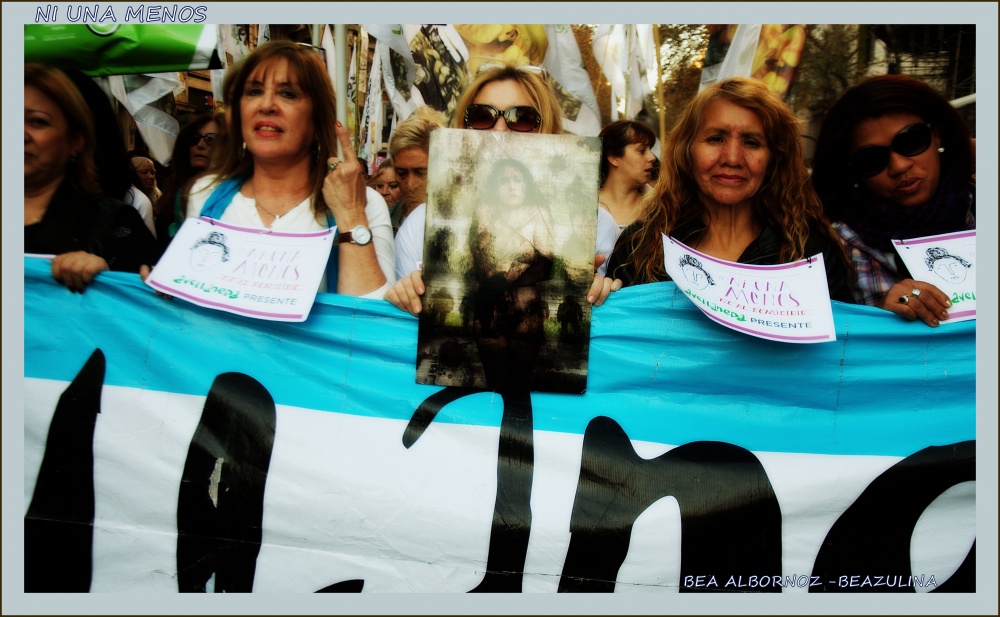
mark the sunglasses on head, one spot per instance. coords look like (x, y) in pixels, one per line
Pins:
(872, 160)
(520, 118)
(197, 137)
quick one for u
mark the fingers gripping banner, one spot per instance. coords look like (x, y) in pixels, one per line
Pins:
(173, 448)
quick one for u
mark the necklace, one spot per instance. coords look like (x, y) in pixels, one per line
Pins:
(260, 206)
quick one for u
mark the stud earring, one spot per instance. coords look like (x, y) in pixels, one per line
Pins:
(855, 185)
(941, 149)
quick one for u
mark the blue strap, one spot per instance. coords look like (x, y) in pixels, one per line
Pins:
(221, 197)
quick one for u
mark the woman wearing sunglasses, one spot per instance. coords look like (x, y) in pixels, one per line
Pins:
(501, 97)
(190, 157)
(894, 161)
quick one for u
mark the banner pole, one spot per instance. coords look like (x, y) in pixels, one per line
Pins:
(340, 45)
(662, 113)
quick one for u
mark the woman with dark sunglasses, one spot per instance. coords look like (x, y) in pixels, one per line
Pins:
(191, 155)
(894, 161)
(501, 97)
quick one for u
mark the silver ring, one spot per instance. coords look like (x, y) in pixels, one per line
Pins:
(915, 293)
(904, 299)
(333, 166)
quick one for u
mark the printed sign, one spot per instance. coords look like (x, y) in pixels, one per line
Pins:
(258, 273)
(789, 302)
(947, 261)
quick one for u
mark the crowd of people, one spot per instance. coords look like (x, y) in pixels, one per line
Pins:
(893, 161)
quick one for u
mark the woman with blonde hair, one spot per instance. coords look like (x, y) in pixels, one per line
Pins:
(733, 184)
(501, 97)
(147, 176)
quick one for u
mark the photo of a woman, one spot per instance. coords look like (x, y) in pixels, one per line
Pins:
(512, 241)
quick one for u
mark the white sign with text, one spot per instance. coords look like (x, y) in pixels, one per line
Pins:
(789, 303)
(258, 273)
(947, 261)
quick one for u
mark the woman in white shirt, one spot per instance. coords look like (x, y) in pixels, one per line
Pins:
(278, 168)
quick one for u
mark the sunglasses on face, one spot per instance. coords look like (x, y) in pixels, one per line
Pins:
(872, 160)
(521, 118)
(197, 137)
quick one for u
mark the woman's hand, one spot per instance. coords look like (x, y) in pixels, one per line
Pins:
(603, 285)
(344, 185)
(76, 270)
(914, 300)
(144, 272)
(405, 294)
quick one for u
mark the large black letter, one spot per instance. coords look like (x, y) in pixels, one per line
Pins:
(515, 466)
(730, 519)
(59, 525)
(220, 504)
(872, 537)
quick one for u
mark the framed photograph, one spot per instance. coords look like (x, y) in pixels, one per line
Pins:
(508, 260)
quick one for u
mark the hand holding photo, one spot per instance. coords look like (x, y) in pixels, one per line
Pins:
(947, 262)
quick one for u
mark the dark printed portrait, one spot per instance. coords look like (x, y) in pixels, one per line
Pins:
(509, 256)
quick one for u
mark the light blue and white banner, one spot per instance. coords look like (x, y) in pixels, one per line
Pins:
(170, 447)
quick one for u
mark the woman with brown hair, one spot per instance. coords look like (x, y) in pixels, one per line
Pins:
(894, 161)
(627, 165)
(65, 214)
(278, 168)
(191, 156)
(733, 185)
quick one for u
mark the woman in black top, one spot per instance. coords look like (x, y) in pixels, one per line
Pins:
(64, 212)
(733, 184)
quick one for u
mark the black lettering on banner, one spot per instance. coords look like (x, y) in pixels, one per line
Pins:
(59, 524)
(872, 537)
(730, 518)
(515, 466)
(355, 585)
(220, 504)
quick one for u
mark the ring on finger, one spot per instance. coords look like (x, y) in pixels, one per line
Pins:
(915, 293)
(904, 299)
(333, 166)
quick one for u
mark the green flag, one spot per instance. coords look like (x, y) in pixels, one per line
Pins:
(119, 49)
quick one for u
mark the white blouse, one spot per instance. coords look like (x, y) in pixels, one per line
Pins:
(243, 211)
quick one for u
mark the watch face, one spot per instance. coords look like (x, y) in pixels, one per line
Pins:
(361, 235)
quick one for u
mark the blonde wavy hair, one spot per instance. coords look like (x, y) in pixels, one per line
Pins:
(786, 201)
(535, 84)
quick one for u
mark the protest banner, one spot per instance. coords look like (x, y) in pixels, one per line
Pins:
(169, 447)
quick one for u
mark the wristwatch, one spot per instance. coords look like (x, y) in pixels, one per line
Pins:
(360, 235)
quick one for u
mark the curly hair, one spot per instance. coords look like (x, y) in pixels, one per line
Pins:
(875, 97)
(534, 83)
(306, 66)
(81, 172)
(785, 200)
